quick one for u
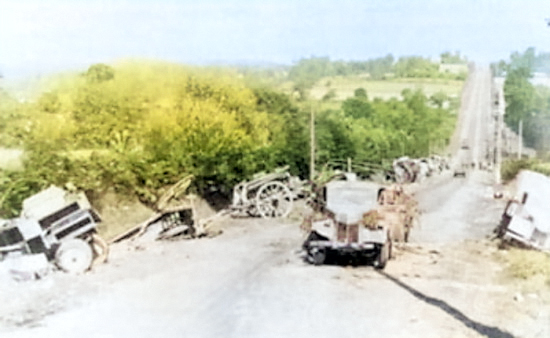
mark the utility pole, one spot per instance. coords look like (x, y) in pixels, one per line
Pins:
(500, 116)
(312, 144)
(520, 139)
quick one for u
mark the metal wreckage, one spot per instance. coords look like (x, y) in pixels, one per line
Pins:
(54, 225)
(350, 216)
(358, 219)
(526, 217)
(60, 227)
(267, 195)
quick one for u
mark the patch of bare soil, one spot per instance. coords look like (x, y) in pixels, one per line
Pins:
(119, 214)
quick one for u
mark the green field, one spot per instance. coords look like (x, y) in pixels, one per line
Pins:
(385, 89)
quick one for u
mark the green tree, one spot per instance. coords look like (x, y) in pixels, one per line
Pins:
(49, 102)
(452, 58)
(289, 133)
(99, 72)
(519, 94)
(333, 136)
(357, 108)
(416, 67)
(360, 93)
(439, 99)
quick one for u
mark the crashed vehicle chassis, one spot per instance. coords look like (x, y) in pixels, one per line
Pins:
(343, 225)
(374, 245)
(65, 231)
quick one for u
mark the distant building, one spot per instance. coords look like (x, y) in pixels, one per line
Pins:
(540, 79)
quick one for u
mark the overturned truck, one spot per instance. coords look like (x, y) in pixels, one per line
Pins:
(58, 224)
(526, 217)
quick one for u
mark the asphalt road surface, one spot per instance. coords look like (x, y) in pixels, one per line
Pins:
(252, 281)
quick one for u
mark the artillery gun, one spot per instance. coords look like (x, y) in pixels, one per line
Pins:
(267, 195)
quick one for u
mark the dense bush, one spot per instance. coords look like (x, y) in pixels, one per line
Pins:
(526, 102)
(511, 168)
(137, 127)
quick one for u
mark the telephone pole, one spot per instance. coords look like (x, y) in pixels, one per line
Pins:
(500, 117)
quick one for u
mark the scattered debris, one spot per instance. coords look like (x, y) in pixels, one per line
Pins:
(177, 216)
(408, 170)
(266, 195)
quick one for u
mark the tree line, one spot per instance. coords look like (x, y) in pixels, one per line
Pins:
(307, 71)
(525, 101)
(137, 127)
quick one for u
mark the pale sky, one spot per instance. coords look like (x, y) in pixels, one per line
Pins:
(40, 37)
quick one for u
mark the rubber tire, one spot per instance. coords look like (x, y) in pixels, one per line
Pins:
(74, 256)
(317, 256)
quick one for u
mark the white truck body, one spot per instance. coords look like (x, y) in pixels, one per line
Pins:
(527, 216)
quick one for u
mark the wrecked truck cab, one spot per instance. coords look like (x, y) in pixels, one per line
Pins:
(525, 217)
(347, 224)
(58, 224)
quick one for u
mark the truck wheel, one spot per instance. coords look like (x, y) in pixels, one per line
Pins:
(74, 256)
(316, 256)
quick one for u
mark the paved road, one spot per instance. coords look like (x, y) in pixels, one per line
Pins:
(252, 282)
(476, 133)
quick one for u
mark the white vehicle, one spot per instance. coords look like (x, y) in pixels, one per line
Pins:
(343, 225)
(61, 225)
(526, 218)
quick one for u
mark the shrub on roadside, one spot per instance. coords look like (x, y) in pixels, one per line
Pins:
(510, 169)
